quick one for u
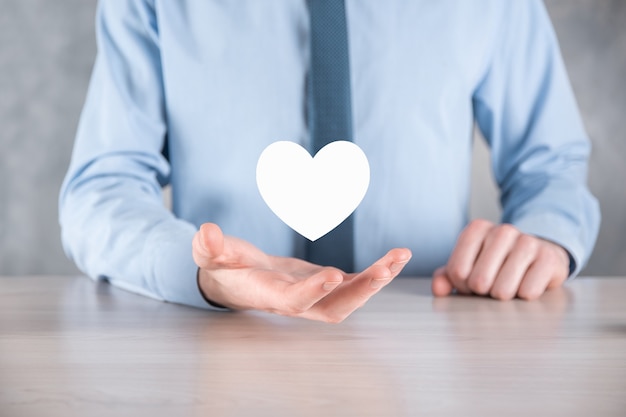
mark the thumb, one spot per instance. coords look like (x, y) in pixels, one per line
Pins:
(207, 245)
(441, 284)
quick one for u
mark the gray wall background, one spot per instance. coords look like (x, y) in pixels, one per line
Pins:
(46, 53)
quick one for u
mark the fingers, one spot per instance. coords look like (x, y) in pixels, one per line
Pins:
(535, 281)
(464, 255)
(279, 293)
(441, 284)
(496, 246)
(340, 303)
(515, 268)
(547, 271)
(396, 259)
(345, 299)
(240, 276)
(500, 261)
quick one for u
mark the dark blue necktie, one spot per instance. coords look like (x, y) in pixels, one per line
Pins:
(330, 114)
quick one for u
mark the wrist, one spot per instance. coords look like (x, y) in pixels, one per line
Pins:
(202, 287)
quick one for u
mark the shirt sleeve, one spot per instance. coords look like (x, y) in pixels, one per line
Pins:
(114, 224)
(525, 108)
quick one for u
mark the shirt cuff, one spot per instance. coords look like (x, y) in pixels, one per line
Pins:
(556, 229)
(212, 303)
(168, 261)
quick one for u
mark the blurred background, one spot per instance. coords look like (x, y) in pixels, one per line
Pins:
(47, 49)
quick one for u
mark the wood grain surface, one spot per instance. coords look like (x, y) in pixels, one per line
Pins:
(72, 347)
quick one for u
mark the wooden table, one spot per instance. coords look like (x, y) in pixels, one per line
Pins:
(72, 347)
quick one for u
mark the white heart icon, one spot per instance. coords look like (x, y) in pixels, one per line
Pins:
(313, 195)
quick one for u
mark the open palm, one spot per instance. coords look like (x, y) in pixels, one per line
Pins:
(238, 275)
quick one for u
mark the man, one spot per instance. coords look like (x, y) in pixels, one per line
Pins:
(213, 83)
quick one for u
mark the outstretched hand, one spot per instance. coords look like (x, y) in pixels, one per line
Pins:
(501, 262)
(236, 274)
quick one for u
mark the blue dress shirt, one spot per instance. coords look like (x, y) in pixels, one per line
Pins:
(219, 81)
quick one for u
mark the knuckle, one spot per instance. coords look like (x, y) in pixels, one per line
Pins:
(551, 256)
(528, 294)
(545, 257)
(457, 271)
(506, 231)
(527, 243)
(481, 223)
(502, 294)
(527, 240)
(478, 224)
(479, 284)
